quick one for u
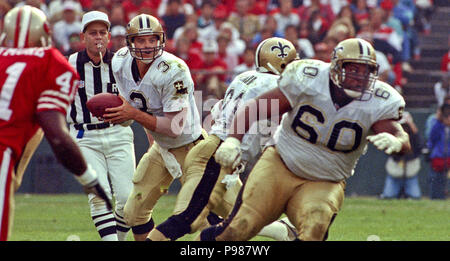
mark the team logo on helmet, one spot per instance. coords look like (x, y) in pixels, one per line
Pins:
(281, 47)
(273, 55)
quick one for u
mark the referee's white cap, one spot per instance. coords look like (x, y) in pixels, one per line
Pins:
(94, 16)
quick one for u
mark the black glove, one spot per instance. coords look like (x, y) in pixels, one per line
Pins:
(94, 187)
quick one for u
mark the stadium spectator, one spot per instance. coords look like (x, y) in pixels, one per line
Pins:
(135, 7)
(117, 15)
(302, 45)
(401, 18)
(55, 10)
(381, 30)
(213, 72)
(422, 21)
(75, 44)
(285, 15)
(360, 10)
(118, 38)
(192, 58)
(442, 89)
(438, 144)
(236, 45)
(402, 180)
(247, 24)
(206, 17)
(211, 31)
(225, 52)
(173, 18)
(68, 25)
(324, 11)
(270, 29)
(345, 17)
(317, 25)
(248, 62)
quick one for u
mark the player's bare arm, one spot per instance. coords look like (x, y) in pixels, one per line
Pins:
(264, 110)
(53, 123)
(229, 154)
(390, 137)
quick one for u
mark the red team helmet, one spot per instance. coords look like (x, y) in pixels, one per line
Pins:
(24, 27)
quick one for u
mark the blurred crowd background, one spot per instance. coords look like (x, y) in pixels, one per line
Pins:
(217, 38)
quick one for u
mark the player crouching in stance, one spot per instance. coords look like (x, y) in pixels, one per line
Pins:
(36, 87)
(333, 111)
(204, 190)
(157, 90)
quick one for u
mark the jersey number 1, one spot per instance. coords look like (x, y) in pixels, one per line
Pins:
(14, 71)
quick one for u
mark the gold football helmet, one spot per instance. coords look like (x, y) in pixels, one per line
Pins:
(145, 24)
(273, 55)
(354, 50)
(24, 27)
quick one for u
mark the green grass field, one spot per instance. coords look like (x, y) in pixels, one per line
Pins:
(54, 217)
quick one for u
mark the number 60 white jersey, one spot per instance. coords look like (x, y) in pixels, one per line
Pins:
(166, 87)
(317, 141)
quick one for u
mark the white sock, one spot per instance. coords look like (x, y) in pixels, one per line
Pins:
(110, 237)
(122, 236)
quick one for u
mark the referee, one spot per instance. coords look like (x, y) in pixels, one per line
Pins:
(108, 148)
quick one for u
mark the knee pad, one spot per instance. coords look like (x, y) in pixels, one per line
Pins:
(210, 233)
(214, 219)
(144, 228)
(174, 227)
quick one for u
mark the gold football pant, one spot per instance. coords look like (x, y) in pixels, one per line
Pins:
(271, 190)
(201, 193)
(150, 181)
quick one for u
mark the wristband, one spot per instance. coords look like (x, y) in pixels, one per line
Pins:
(88, 176)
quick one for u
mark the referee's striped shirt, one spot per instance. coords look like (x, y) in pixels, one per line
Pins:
(94, 79)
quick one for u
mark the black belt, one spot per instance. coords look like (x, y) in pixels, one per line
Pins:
(88, 126)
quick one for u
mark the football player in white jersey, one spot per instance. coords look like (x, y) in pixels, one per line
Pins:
(157, 90)
(204, 190)
(333, 111)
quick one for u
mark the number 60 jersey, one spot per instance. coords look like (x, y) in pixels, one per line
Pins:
(31, 80)
(318, 141)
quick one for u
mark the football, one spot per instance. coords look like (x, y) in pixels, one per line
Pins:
(99, 102)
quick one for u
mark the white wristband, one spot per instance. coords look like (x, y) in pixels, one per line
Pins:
(88, 176)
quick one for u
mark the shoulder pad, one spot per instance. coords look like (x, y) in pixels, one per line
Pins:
(119, 58)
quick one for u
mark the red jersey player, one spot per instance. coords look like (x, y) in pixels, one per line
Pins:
(37, 85)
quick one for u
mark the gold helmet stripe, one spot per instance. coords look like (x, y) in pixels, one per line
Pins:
(24, 26)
